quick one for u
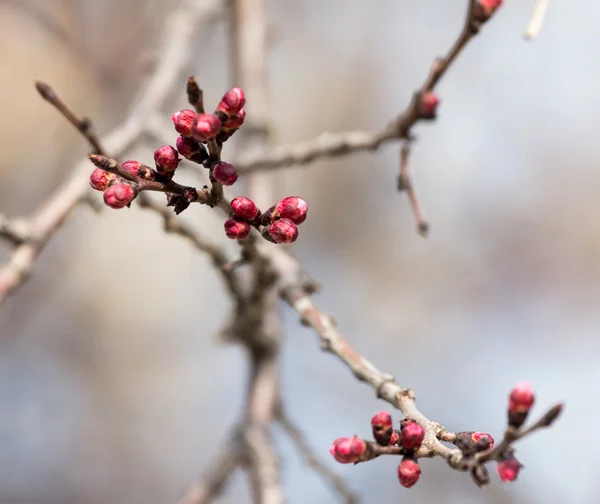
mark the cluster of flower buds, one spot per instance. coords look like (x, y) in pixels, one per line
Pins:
(404, 441)
(279, 224)
(483, 9)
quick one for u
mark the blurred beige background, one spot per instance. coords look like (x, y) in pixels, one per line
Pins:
(109, 393)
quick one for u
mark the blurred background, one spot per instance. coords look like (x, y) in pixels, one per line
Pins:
(111, 386)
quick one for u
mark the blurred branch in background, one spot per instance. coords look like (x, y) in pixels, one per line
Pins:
(537, 18)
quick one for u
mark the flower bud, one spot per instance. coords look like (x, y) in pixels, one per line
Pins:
(100, 179)
(205, 127)
(224, 173)
(132, 167)
(395, 438)
(232, 102)
(348, 450)
(520, 401)
(191, 149)
(428, 104)
(119, 195)
(166, 159)
(382, 428)
(472, 442)
(183, 121)
(236, 228)
(482, 440)
(283, 231)
(245, 208)
(292, 208)
(412, 435)
(408, 472)
(483, 9)
(234, 123)
(508, 468)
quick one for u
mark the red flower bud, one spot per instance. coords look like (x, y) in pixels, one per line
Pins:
(166, 159)
(522, 397)
(235, 122)
(236, 228)
(476, 436)
(232, 102)
(283, 231)
(408, 472)
(428, 105)
(100, 179)
(412, 435)
(183, 121)
(119, 195)
(205, 127)
(191, 149)
(381, 425)
(224, 173)
(508, 469)
(483, 9)
(394, 438)
(293, 208)
(245, 208)
(132, 167)
(348, 450)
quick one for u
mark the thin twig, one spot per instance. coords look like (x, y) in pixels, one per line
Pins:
(405, 183)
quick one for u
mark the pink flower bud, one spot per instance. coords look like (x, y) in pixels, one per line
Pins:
(119, 195)
(132, 167)
(428, 105)
(235, 122)
(508, 469)
(232, 102)
(408, 472)
(381, 425)
(483, 9)
(476, 436)
(348, 450)
(224, 173)
(236, 228)
(522, 397)
(166, 159)
(245, 208)
(191, 149)
(205, 127)
(394, 438)
(412, 435)
(283, 231)
(293, 208)
(183, 121)
(100, 179)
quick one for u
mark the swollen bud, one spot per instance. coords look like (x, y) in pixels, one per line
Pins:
(245, 208)
(191, 149)
(119, 195)
(520, 401)
(132, 167)
(166, 159)
(224, 173)
(236, 228)
(292, 208)
(183, 121)
(428, 104)
(472, 442)
(348, 450)
(205, 127)
(412, 435)
(381, 425)
(508, 468)
(483, 9)
(283, 231)
(408, 472)
(235, 122)
(232, 102)
(100, 179)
